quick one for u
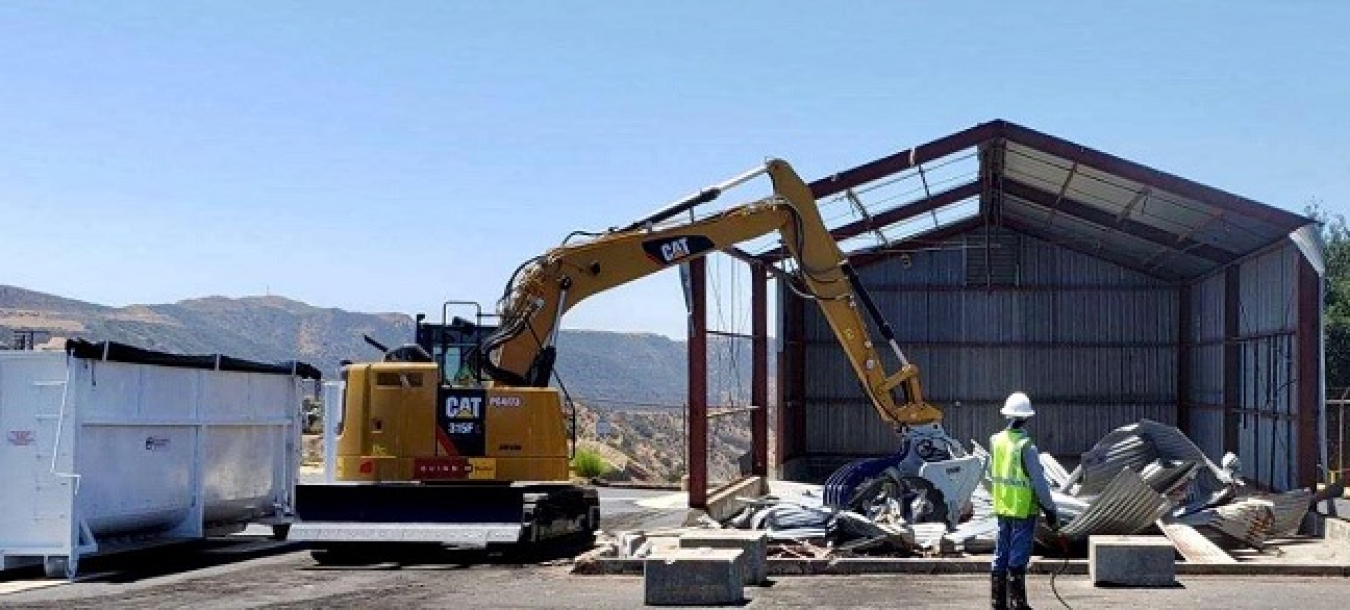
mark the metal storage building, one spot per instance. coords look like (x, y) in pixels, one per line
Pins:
(1008, 259)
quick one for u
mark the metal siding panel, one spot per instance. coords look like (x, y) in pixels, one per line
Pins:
(851, 428)
(1267, 292)
(829, 376)
(1206, 430)
(1207, 308)
(1086, 390)
(1267, 313)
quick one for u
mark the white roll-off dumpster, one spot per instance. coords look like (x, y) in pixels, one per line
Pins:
(99, 455)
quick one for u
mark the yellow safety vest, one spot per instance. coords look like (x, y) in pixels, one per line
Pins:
(1013, 496)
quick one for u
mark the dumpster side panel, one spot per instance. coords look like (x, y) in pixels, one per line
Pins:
(36, 487)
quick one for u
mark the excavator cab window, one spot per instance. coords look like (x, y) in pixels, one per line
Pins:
(453, 348)
(455, 368)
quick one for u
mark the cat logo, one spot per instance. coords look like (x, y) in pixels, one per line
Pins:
(671, 250)
(675, 250)
(463, 407)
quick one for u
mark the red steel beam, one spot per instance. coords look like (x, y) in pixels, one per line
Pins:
(759, 370)
(698, 384)
(893, 215)
(1309, 363)
(792, 381)
(1185, 352)
(904, 160)
(1232, 357)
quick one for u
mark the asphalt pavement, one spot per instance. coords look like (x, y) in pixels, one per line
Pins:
(291, 580)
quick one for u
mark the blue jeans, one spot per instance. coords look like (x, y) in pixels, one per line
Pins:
(1012, 550)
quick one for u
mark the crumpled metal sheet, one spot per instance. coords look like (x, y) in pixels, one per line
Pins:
(1121, 449)
(1138, 445)
(1055, 474)
(1290, 507)
(1170, 478)
(791, 521)
(1125, 506)
(928, 536)
(1172, 444)
(1256, 519)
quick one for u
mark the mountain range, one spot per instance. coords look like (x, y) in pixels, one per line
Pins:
(606, 370)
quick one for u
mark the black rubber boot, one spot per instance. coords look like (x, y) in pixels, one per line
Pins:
(1017, 590)
(998, 594)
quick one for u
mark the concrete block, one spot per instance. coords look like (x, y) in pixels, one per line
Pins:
(694, 577)
(754, 547)
(1336, 530)
(1135, 561)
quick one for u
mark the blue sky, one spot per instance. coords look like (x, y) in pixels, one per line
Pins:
(390, 156)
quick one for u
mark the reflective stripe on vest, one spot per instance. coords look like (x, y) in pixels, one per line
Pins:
(1013, 496)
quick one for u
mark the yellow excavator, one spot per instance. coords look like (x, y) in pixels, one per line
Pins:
(458, 439)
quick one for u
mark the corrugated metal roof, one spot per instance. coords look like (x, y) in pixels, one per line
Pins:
(1004, 174)
(1127, 505)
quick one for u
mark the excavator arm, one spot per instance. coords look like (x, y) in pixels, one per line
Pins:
(542, 290)
(929, 469)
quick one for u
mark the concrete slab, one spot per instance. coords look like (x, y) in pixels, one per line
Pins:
(753, 545)
(1337, 531)
(694, 577)
(1132, 561)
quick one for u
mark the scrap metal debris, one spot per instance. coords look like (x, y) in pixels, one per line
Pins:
(1142, 477)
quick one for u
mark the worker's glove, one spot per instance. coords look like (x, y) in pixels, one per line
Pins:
(1051, 518)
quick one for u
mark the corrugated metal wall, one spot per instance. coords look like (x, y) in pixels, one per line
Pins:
(1248, 317)
(1094, 344)
(1205, 412)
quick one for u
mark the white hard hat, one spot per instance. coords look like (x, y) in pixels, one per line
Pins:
(1017, 406)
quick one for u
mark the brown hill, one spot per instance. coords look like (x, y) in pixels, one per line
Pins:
(627, 377)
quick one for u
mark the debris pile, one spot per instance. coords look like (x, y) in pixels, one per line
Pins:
(1138, 477)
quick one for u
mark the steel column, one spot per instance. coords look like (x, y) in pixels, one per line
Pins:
(1185, 353)
(791, 380)
(1232, 358)
(698, 384)
(759, 370)
(1309, 376)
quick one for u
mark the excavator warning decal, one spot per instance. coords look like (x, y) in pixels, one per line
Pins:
(460, 423)
(671, 250)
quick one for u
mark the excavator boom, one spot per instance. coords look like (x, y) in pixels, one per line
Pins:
(549, 285)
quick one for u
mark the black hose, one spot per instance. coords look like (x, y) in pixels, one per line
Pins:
(1064, 564)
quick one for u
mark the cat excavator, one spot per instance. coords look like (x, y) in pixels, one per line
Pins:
(458, 439)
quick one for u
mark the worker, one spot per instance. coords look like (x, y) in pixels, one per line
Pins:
(1019, 489)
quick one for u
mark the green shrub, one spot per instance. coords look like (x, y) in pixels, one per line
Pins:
(589, 464)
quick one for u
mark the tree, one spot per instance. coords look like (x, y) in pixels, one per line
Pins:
(1336, 238)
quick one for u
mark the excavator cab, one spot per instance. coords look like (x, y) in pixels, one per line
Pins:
(455, 346)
